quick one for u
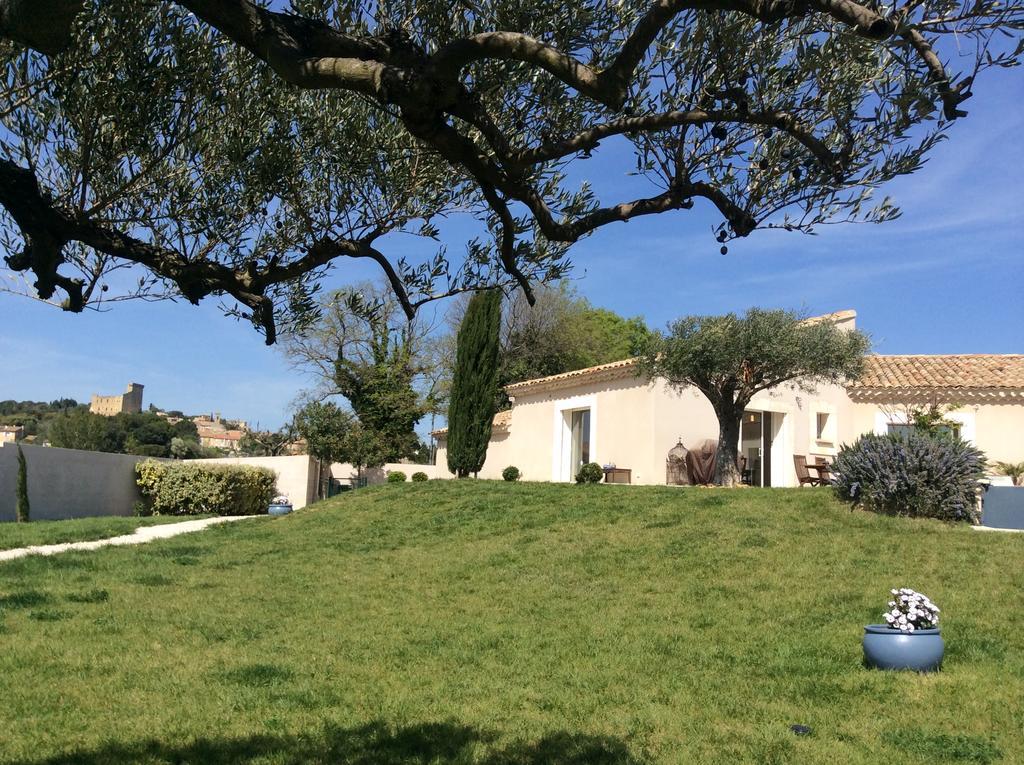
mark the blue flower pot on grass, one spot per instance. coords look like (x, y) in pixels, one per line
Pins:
(279, 509)
(886, 648)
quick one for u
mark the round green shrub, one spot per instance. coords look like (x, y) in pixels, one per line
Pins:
(419, 477)
(912, 474)
(590, 473)
(396, 476)
(511, 473)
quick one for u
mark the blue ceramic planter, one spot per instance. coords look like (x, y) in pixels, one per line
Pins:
(886, 648)
(279, 510)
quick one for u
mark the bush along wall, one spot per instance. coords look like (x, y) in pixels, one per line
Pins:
(915, 474)
(189, 488)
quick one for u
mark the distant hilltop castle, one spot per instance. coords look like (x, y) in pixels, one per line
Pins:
(130, 401)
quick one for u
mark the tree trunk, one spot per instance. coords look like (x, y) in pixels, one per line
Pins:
(321, 492)
(727, 471)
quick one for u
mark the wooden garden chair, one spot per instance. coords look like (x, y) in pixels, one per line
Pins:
(802, 473)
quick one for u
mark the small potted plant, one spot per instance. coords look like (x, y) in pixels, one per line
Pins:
(910, 637)
(280, 506)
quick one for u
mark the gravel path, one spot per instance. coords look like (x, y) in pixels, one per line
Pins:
(140, 536)
(996, 528)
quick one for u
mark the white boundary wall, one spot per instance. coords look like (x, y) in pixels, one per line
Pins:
(347, 472)
(296, 475)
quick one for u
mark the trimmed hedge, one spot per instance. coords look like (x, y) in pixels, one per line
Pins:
(396, 476)
(192, 488)
(511, 473)
(590, 473)
(913, 474)
(420, 477)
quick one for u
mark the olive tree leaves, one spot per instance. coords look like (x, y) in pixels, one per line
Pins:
(220, 147)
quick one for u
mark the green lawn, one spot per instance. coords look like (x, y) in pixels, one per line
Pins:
(515, 624)
(13, 535)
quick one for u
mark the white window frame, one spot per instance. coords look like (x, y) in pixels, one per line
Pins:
(963, 417)
(561, 453)
(828, 439)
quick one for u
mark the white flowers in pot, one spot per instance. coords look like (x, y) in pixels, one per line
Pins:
(910, 610)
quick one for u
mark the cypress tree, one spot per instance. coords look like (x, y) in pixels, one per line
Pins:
(21, 490)
(475, 384)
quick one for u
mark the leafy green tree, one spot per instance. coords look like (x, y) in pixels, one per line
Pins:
(1013, 470)
(21, 507)
(730, 359)
(474, 384)
(363, 348)
(267, 443)
(562, 332)
(363, 448)
(381, 393)
(80, 429)
(326, 429)
(35, 416)
(221, 180)
(182, 448)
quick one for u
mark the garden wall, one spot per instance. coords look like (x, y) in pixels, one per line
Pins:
(69, 483)
(347, 472)
(296, 475)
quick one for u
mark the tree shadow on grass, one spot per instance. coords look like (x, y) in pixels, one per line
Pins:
(374, 744)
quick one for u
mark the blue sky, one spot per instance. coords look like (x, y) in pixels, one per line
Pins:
(948, 277)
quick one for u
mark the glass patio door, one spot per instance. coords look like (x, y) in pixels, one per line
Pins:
(756, 448)
(579, 439)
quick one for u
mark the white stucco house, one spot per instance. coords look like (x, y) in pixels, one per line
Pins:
(610, 415)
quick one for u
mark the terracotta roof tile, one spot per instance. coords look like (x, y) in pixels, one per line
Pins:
(626, 365)
(955, 372)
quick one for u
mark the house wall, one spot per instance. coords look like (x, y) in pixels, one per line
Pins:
(996, 429)
(296, 475)
(621, 418)
(69, 483)
(345, 471)
(635, 423)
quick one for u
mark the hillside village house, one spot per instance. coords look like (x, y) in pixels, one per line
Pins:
(11, 434)
(609, 415)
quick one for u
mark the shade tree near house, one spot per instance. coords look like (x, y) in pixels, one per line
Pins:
(731, 358)
(223, 179)
(474, 384)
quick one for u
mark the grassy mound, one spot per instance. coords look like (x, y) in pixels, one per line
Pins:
(503, 623)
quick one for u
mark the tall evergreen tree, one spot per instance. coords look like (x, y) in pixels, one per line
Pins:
(475, 384)
(21, 490)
